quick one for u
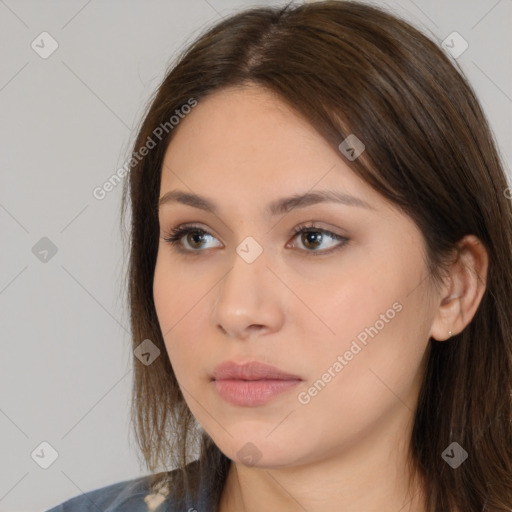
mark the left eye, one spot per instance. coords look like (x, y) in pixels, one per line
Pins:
(312, 237)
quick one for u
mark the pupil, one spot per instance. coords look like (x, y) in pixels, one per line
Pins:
(313, 236)
(193, 235)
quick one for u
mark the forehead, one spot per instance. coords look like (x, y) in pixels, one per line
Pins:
(247, 142)
(242, 123)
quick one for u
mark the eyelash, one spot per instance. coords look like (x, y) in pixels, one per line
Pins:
(176, 234)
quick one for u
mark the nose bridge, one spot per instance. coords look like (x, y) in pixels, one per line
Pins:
(242, 282)
(247, 294)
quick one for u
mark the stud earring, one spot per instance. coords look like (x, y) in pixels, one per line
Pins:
(450, 334)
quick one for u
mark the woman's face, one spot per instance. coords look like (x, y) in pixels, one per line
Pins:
(350, 317)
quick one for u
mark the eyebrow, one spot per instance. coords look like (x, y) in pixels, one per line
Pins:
(277, 207)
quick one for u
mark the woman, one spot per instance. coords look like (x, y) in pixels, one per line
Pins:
(320, 275)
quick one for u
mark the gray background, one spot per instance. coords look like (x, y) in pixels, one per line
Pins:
(67, 123)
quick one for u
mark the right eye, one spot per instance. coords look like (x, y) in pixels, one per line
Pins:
(174, 237)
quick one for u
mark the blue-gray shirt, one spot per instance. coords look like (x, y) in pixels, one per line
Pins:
(135, 496)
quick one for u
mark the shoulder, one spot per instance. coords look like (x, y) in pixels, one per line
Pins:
(127, 496)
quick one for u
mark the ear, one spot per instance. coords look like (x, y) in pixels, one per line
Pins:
(463, 289)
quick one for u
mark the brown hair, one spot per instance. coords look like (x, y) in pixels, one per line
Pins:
(349, 68)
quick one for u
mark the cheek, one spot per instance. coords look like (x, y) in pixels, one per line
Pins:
(376, 296)
(164, 296)
(178, 306)
(167, 305)
(356, 298)
(175, 294)
(375, 324)
(354, 384)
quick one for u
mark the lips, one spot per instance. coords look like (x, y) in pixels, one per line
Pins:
(251, 384)
(252, 370)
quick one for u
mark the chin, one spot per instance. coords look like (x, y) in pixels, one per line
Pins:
(256, 451)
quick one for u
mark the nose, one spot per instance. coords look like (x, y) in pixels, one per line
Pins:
(249, 300)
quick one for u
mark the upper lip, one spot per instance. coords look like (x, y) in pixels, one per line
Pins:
(251, 370)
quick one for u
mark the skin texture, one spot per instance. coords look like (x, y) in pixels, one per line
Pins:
(346, 448)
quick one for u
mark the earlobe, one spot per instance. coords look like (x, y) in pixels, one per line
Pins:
(465, 286)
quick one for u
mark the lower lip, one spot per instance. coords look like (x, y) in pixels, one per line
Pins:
(251, 393)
